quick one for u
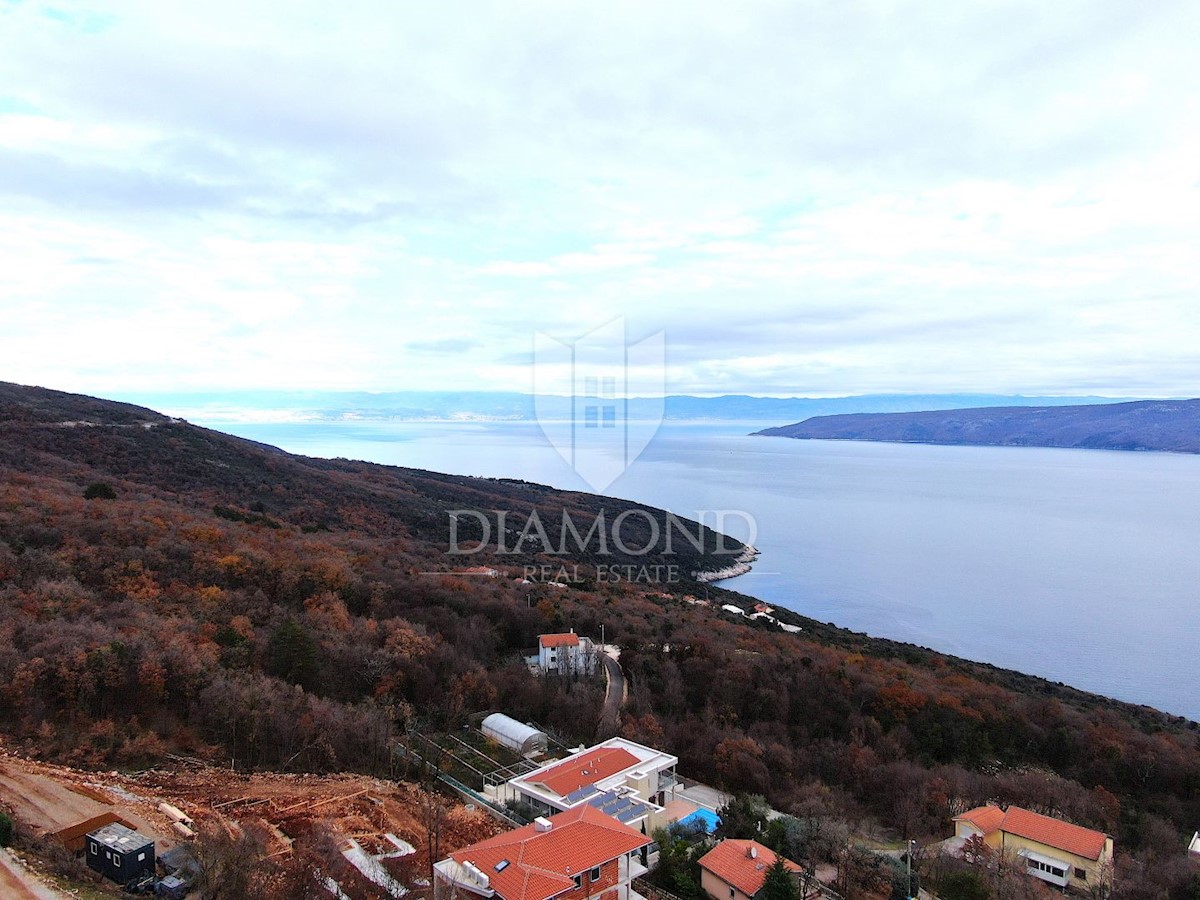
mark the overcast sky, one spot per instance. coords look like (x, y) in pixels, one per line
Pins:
(807, 198)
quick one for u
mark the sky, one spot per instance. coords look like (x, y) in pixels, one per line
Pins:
(803, 198)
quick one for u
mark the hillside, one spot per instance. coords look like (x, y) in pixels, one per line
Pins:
(1171, 425)
(226, 601)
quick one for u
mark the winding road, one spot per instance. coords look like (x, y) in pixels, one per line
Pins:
(615, 694)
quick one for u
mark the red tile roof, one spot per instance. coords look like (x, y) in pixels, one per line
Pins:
(542, 864)
(570, 639)
(986, 818)
(594, 766)
(1054, 833)
(732, 863)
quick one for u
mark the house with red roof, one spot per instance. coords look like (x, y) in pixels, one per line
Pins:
(736, 869)
(582, 854)
(1058, 852)
(566, 654)
(624, 779)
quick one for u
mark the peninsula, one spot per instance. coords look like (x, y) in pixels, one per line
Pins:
(1168, 425)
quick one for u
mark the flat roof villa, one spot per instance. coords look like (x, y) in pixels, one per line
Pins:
(628, 781)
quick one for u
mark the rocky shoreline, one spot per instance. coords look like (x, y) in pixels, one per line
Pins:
(740, 566)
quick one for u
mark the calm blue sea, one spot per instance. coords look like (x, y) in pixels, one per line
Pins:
(1080, 566)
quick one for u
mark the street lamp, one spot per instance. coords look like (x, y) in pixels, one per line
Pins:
(908, 857)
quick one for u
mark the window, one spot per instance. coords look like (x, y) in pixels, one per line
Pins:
(731, 894)
(590, 416)
(141, 857)
(1081, 874)
(595, 876)
(610, 417)
(578, 881)
(116, 860)
(1045, 867)
(95, 851)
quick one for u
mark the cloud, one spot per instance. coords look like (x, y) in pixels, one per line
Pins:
(806, 197)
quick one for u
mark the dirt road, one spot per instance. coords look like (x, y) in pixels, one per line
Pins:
(41, 801)
(17, 884)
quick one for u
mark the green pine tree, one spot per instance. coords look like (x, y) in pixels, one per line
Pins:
(292, 654)
(779, 883)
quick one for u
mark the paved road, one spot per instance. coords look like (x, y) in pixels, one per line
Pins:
(615, 695)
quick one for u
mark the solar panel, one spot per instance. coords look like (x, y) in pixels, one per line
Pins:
(620, 807)
(579, 793)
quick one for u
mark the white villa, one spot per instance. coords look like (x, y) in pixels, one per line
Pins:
(628, 781)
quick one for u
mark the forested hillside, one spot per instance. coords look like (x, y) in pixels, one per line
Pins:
(1172, 425)
(164, 588)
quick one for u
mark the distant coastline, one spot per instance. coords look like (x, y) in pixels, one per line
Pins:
(1147, 425)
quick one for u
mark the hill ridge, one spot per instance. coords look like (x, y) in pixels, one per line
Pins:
(1146, 425)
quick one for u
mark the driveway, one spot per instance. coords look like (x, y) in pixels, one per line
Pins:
(615, 695)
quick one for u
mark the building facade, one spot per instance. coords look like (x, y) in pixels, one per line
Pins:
(566, 654)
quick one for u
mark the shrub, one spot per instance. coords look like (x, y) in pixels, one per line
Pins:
(963, 886)
(99, 490)
(6, 829)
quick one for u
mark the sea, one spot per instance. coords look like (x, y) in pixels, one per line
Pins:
(1080, 566)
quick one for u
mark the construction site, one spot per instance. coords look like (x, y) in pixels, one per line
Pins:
(386, 834)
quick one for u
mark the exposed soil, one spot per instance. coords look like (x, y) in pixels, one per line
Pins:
(283, 811)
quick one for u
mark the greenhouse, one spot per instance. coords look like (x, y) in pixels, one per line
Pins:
(508, 732)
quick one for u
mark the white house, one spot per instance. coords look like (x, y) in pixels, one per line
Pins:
(626, 780)
(566, 654)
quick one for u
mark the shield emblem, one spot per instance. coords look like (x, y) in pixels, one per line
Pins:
(599, 399)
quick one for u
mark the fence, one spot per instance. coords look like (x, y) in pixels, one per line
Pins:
(651, 891)
(466, 792)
